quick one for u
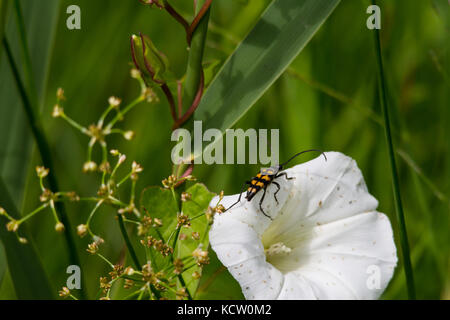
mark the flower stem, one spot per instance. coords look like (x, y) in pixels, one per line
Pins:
(395, 181)
(133, 255)
(44, 152)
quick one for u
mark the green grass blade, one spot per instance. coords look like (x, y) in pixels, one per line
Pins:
(281, 33)
(3, 11)
(395, 181)
(29, 278)
(15, 138)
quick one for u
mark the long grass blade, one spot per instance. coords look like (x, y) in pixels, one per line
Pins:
(281, 33)
(395, 181)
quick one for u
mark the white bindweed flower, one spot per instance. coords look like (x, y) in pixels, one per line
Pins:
(326, 239)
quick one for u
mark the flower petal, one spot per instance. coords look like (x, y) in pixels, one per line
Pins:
(239, 248)
(339, 258)
(333, 240)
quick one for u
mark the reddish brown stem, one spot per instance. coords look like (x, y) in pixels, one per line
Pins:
(194, 105)
(190, 30)
(185, 174)
(170, 99)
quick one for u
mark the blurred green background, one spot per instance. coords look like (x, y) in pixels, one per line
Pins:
(326, 99)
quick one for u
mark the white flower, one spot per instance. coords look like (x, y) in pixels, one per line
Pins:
(326, 239)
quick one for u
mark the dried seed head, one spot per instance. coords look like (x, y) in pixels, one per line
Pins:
(89, 166)
(170, 182)
(122, 159)
(200, 256)
(64, 292)
(179, 265)
(181, 294)
(82, 230)
(157, 222)
(220, 209)
(129, 271)
(42, 172)
(195, 235)
(209, 214)
(2, 212)
(59, 227)
(12, 226)
(135, 74)
(183, 221)
(92, 248)
(23, 240)
(60, 94)
(129, 135)
(114, 101)
(46, 195)
(186, 196)
(58, 111)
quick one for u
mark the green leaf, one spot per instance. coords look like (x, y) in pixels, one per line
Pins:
(281, 33)
(217, 283)
(160, 203)
(28, 275)
(15, 137)
(195, 208)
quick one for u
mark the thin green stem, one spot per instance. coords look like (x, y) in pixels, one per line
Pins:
(44, 152)
(133, 255)
(395, 180)
(28, 216)
(106, 260)
(120, 114)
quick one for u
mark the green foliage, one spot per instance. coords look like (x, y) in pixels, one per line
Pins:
(162, 204)
(280, 34)
(325, 99)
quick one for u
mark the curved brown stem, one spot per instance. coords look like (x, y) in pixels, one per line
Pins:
(190, 30)
(194, 105)
(170, 99)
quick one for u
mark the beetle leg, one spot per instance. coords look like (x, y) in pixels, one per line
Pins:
(285, 176)
(260, 204)
(275, 194)
(240, 195)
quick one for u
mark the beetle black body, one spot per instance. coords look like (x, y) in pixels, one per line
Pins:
(263, 179)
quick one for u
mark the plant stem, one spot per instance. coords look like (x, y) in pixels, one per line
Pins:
(133, 255)
(194, 67)
(395, 181)
(44, 151)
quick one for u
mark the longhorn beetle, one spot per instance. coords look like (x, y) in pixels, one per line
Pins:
(264, 178)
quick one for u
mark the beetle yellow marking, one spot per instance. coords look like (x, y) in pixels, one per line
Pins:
(260, 184)
(267, 178)
(253, 182)
(258, 175)
(249, 189)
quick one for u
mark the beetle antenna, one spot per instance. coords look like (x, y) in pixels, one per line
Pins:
(296, 155)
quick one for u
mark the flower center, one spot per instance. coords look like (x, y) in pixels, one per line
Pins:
(277, 249)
